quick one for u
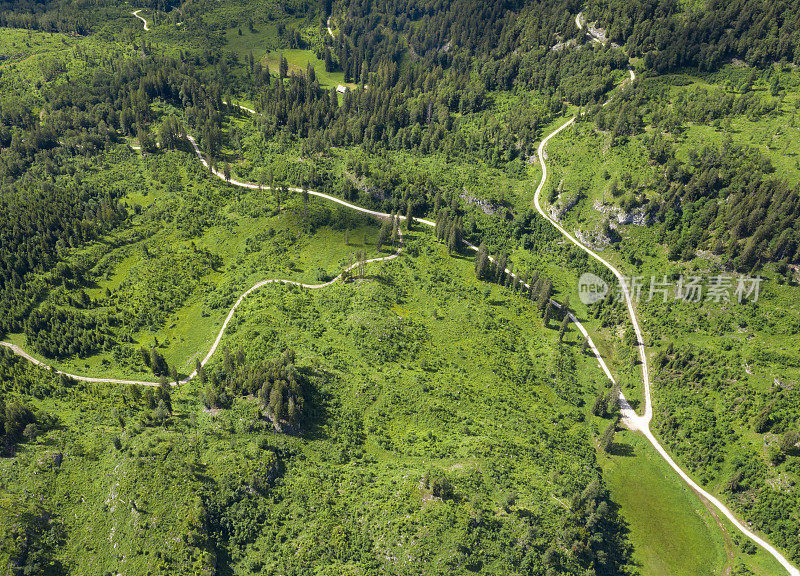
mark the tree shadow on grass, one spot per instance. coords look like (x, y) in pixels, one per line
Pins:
(463, 255)
(623, 553)
(316, 413)
(621, 449)
(383, 280)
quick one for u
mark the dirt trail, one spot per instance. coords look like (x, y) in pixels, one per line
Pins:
(136, 13)
(630, 418)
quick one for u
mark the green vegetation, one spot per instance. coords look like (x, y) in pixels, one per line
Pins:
(408, 431)
(661, 203)
(431, 413)
(672, 533)
(673, 35)
(299, 60)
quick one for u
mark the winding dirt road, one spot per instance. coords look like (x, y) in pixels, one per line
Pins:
(20, 352)
(240, 107)
(381, 215)
(630, 418)
(590, 31)
(136, 13)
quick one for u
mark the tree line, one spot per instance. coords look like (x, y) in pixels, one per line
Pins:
(45, 207)
(529, 284)
(19, 422)
(723, 198)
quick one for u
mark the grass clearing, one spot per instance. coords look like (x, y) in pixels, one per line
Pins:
(298, 60)
(671, 531)
(259, 41)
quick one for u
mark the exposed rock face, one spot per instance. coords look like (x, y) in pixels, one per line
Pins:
(485, 206)
(594, 239)
(361, 185)
(561, 45)
(637, 217)
(596, 33)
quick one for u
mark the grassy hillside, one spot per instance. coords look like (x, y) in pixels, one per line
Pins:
(412, 419)
(725, 372)
(430, 438)
(671, 531)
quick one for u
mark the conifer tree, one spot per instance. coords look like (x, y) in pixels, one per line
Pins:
(385, 232)
(534, 285)
(548, 312)
(157, 363)
(482, 264)
(544, 294)
(283, 70)
(562, 330)
(452, 240)
(500, 268)
(599, 406)
(612, 400)
(607, 439)
(164, 394)
(161, 413)
(173, 374)
(409, 217)
(146, 358)
(201, 371)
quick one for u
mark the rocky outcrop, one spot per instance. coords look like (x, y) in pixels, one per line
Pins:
(561, 45)
(485, 206)
(637, 216)
(594, 239)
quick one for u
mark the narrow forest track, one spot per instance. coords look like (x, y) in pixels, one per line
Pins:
(245, 108)
(136, 13)
(20, 352)
(374, 213)
(631, 419)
